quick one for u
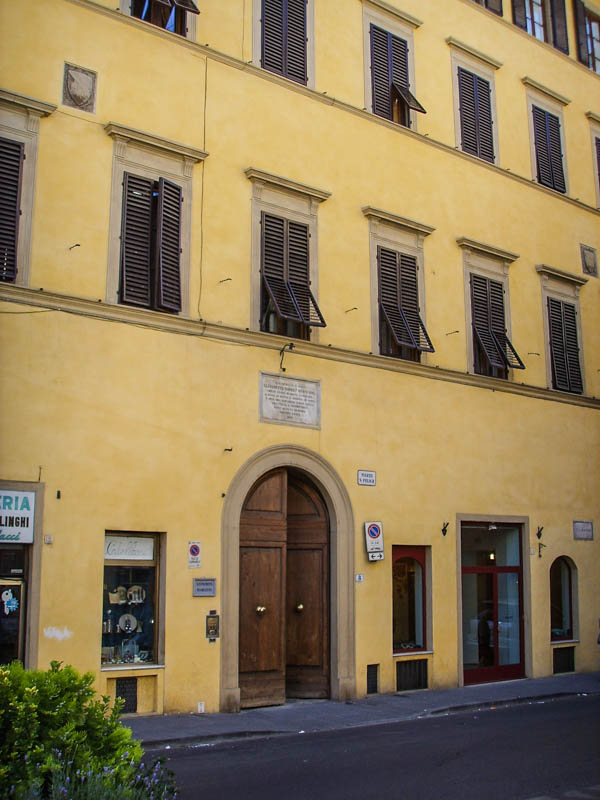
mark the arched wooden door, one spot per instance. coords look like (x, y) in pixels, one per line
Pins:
(284, 591)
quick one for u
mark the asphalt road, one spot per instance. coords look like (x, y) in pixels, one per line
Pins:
(523, 752)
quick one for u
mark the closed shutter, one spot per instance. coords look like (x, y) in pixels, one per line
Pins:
(136, 240)
(598, 158)
(519, 13)
(11, 172)
(475, 108)
(548, 150)
(168, 246)
(286, 270)
(559, 25)
(284, 38)
(489, 326)
(495, 6)
(564, 346)
(399, 299)
(580, 26)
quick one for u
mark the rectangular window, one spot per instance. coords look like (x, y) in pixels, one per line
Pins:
(391, 95)
(409, 598)
(564, 346)
(284, 37)
(402, 332)
(475, 108)
(130, 599)
(548, 149)
(11, 173)
(171, 15)
(492, 349)
(544, 19)
(491, 5)
(287, 303)
(587, 24)
(151, 243)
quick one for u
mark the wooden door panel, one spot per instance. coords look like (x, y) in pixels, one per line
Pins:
(261, 586)
(304, 625)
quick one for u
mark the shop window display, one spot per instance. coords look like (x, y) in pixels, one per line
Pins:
(129, 623)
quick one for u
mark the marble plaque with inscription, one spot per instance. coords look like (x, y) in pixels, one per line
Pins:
(289, 401)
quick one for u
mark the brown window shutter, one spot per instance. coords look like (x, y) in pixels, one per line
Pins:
(136, 240)
(399, 299)
(482, 320)
(559, 25)
(519, 13)
(498, 326)
(168, 246)
(580, 27)
(495, 6)
(11, 173)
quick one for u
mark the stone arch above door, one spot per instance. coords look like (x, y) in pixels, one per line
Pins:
(341, 518)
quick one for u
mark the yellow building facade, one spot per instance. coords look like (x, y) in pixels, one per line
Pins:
(300, 344)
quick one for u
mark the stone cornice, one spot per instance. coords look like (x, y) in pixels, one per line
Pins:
(156, 142)
(486, 249)
(288, 185)
(29, 104)
(539, 87)
(373, 119)
(394, 219)
(395, 12)
(96, 309)
(592, 116)
(471, 51)
(554, 272)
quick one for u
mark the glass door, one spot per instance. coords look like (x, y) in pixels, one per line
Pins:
(491, 602)
(12, 597)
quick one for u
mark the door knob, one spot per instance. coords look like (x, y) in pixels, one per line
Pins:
(261, 609)
(300, 607)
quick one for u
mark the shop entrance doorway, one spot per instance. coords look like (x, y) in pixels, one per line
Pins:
(492, 602)
(284, 591)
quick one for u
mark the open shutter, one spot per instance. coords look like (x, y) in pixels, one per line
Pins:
(295, 40)
(556, 158)
(467, 111)
(168, 246)
(11, 172)
(572, 348)
(580, 26)
(495, 6)
(564, 346)
(273, 258)
(136, 240)
(399, 59)
(186, 5)
(272, 33)
(519, 13)
(380, 72)
(498, 326)
(482, 320)
(409, 302)
(559, 25)
(298, 274)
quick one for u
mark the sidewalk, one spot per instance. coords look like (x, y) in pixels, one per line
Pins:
(305, 716)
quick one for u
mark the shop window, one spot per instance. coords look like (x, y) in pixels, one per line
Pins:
(546, 20)
(177, 16)
(130, 599)
(283, 38)
(561, 605)
(409, 598)
(284, 255)
(587, 23)
(150, 220)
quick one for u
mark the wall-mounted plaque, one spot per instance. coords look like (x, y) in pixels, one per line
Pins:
(583, 529)
(289, 401)
(204, 587)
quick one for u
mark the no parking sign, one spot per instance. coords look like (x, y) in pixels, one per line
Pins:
(374, 540)
(194, 554)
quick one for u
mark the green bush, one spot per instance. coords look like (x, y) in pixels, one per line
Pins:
(52, 724)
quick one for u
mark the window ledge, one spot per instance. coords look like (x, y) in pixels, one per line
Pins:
(539, 87)
(554, 272)
(471, 51)
(277, 182)
(486, 249)
(157, 142)
(133, 668)
(405, 653)
(563, 642)
(402, 15)
(400, 222)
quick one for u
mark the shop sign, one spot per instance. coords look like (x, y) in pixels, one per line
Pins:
(374, 540)
(204, 587)
(129, 548)
(17, 511)
(582, 529)
(366, 477)
(290, 401)
(194, 554)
